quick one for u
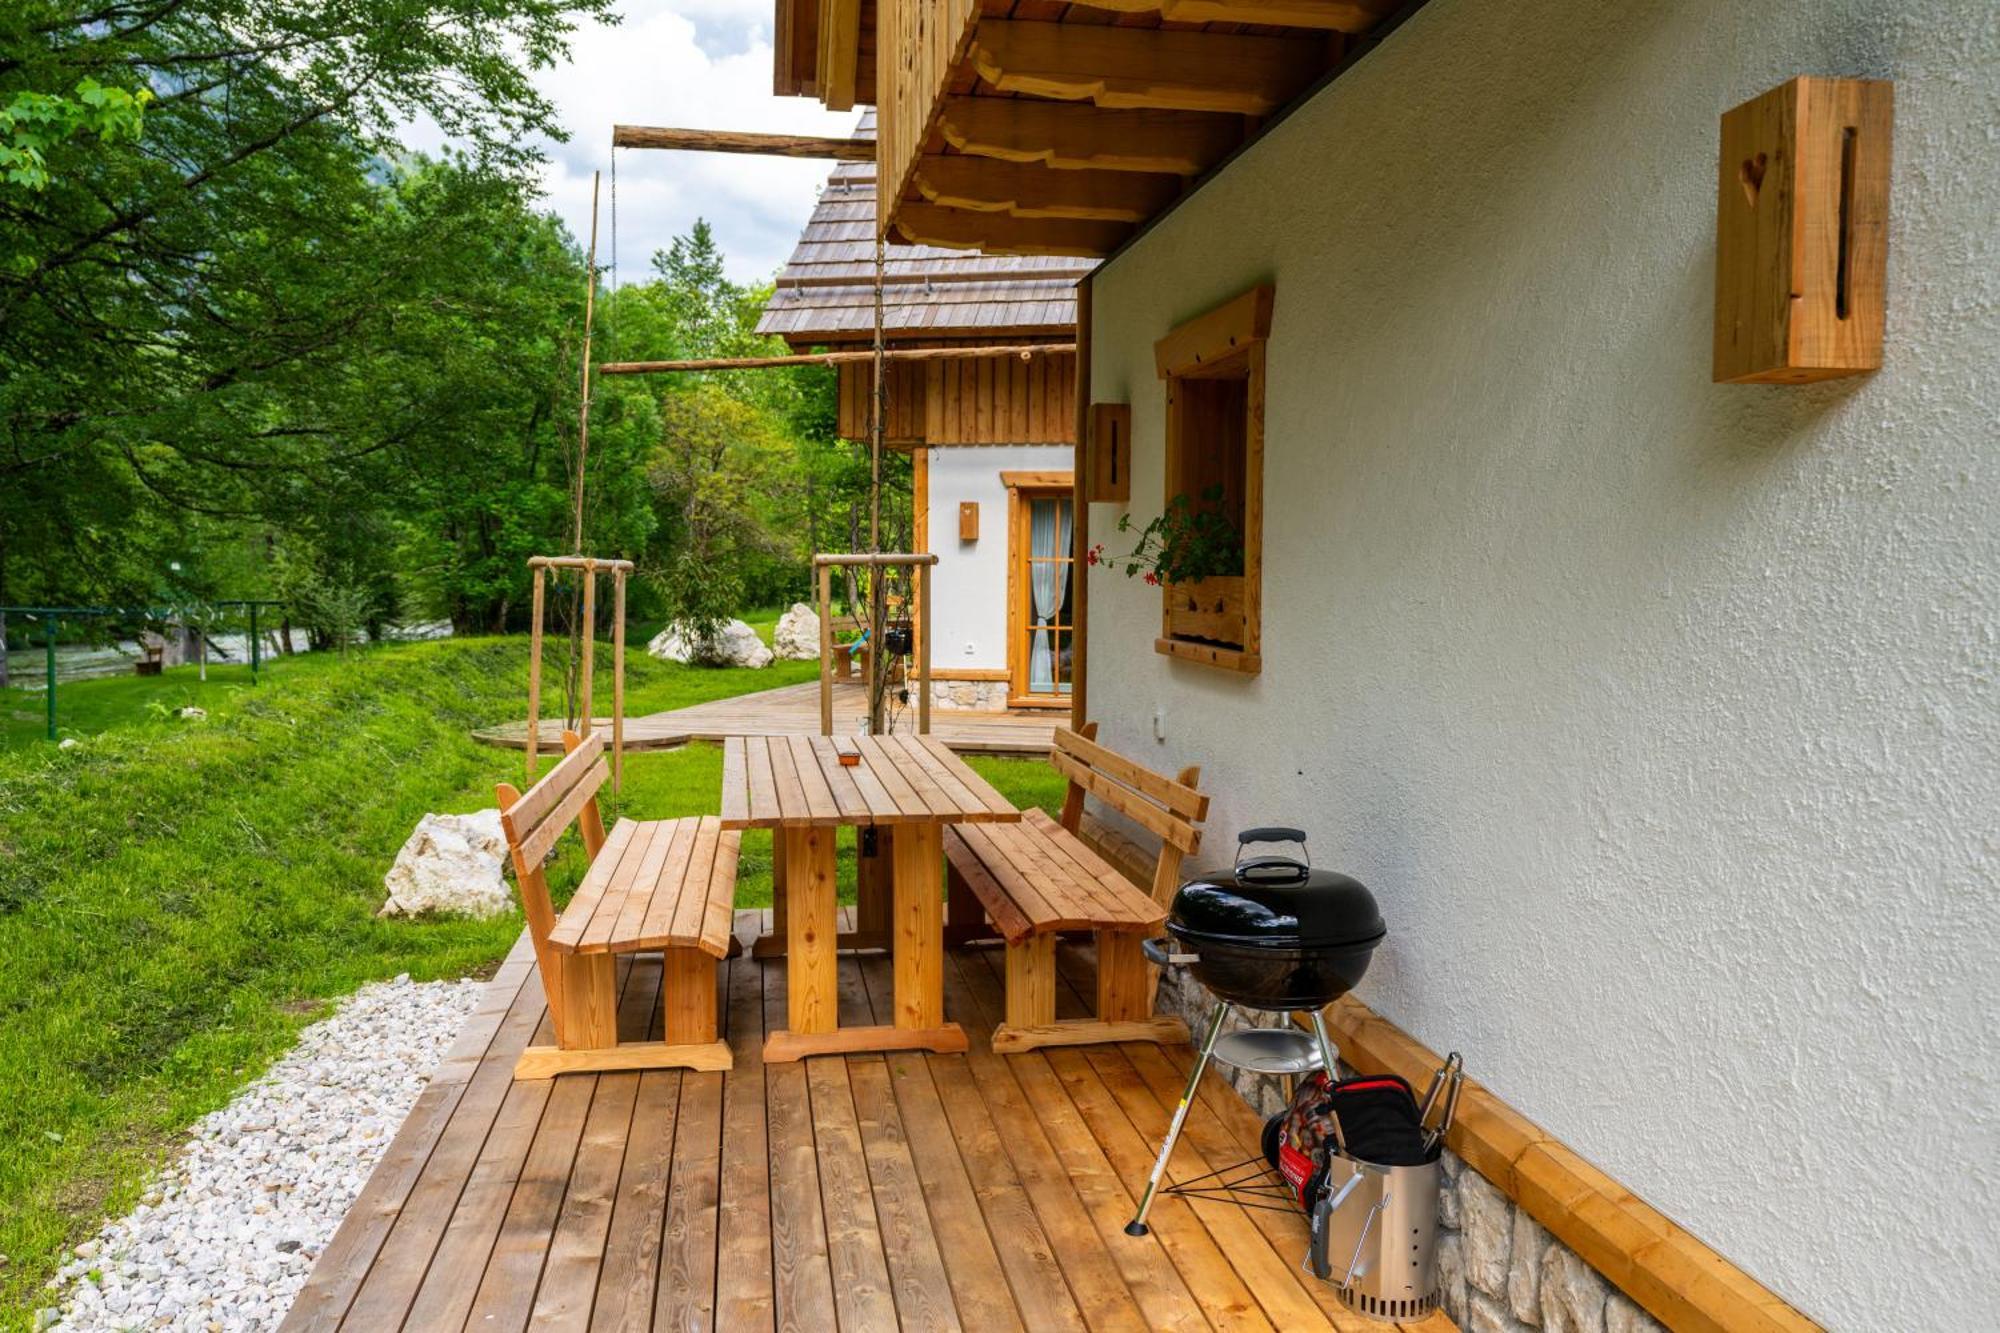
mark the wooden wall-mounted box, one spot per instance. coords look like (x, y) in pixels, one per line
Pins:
(1110, 477)
(1801, 230)
(968, 520)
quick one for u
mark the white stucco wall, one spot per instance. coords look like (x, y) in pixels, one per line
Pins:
(1660, 715)
(970, 582)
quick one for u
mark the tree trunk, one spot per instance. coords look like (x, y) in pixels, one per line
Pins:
(285, 636)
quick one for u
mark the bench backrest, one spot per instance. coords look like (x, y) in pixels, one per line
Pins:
(567, 794)
(1168, 808)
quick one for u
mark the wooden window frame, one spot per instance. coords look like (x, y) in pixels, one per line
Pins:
(1226, 342)
(1021, 488)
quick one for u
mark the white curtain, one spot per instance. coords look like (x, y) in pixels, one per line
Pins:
(1048, 535)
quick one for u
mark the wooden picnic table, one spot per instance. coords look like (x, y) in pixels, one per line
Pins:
(909, 787)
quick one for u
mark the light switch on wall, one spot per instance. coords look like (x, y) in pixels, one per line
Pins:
(1159, 723)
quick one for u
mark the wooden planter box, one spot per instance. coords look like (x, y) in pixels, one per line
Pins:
(1208, 609)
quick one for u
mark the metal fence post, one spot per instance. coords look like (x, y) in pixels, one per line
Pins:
(51, 640)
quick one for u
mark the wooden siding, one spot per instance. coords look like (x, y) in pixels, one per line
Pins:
(925, 41)
(970, 400)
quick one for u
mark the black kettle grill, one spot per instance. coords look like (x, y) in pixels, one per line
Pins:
(1273, 933)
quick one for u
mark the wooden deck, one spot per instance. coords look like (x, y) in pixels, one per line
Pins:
(793, 710)
(857, 1193)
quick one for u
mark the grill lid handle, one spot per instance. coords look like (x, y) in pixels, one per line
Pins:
(1274, 868)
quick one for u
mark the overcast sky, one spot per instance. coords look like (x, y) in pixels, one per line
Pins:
(688, 63)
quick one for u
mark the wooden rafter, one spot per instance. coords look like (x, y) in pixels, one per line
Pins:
(732, 141)
(1029, 191)
(839, 52)
(999, 233)
(1077, 135)
(1022, 350)
(1353, 16)
(1146, 68)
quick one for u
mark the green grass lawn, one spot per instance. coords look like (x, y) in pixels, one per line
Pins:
(178, 898)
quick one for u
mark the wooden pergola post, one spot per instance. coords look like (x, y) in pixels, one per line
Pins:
(587, 568)
(921, 563)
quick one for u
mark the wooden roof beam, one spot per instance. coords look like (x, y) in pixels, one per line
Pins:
(1003, 234)
(1147, 68)
(732, 141)
(839, 52)
(1027, 191)
(1350, 16)
(1079, 136)
(1025, 351)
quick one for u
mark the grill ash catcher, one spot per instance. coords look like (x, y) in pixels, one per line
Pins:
(1359, 1156)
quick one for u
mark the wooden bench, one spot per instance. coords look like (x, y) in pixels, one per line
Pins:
(665, 886)
(1037, 879)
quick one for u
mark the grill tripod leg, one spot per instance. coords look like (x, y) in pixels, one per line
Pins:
(1137, 1226)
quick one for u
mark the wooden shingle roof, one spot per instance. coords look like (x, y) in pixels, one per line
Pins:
(826, 293)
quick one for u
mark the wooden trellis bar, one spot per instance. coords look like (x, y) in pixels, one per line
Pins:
(589, 567)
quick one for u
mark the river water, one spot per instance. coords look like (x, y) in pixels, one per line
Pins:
(27, 667)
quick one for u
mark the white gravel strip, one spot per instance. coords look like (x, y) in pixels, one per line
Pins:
(224, 1238)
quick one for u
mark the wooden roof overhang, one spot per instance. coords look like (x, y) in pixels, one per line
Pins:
(1035, 127)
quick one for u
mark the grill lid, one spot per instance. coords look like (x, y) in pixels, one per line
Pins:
(1279, 902)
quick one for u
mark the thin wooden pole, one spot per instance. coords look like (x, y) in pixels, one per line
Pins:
(1079, 616)
(924, 649)
(583, 409)
(735, 141)
(589, 577)
(535, 677)
(826, 650)
(878, 600)
(618, 680)
(1023, 351)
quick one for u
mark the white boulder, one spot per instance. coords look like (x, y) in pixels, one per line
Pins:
(735, 644)
(452, 863)
(797, 635)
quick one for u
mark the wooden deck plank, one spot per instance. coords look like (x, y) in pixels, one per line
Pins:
(922, 1191)
(802, 1277)
(686, 1290)
(1094, 1280)
(568, 1289)
(624, 1301)
(1149, 1273)
(971, 1260)
(743, 1294)
(853, 1237)
(506, 1294)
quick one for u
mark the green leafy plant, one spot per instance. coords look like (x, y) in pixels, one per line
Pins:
(32, 123)
(1184, 544)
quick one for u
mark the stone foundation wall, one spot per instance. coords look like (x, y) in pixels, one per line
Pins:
(986, 696)
(1502, 1273)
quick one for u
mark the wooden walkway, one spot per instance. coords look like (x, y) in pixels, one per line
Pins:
(793, 710)
(857, 1193)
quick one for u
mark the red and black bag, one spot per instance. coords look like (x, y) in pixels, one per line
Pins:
(1374, 1118)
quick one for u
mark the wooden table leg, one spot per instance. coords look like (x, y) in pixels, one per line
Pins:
(874, 877)
(919, 936)
(812, 1000)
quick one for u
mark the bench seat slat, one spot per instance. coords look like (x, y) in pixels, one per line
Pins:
(671, 886)
(1036, 877)
(569, 927)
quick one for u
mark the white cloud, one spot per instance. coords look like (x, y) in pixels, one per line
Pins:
(686, 63)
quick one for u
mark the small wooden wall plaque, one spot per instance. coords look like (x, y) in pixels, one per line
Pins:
(968, 521)
(1110, 453)
(1801, 227)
